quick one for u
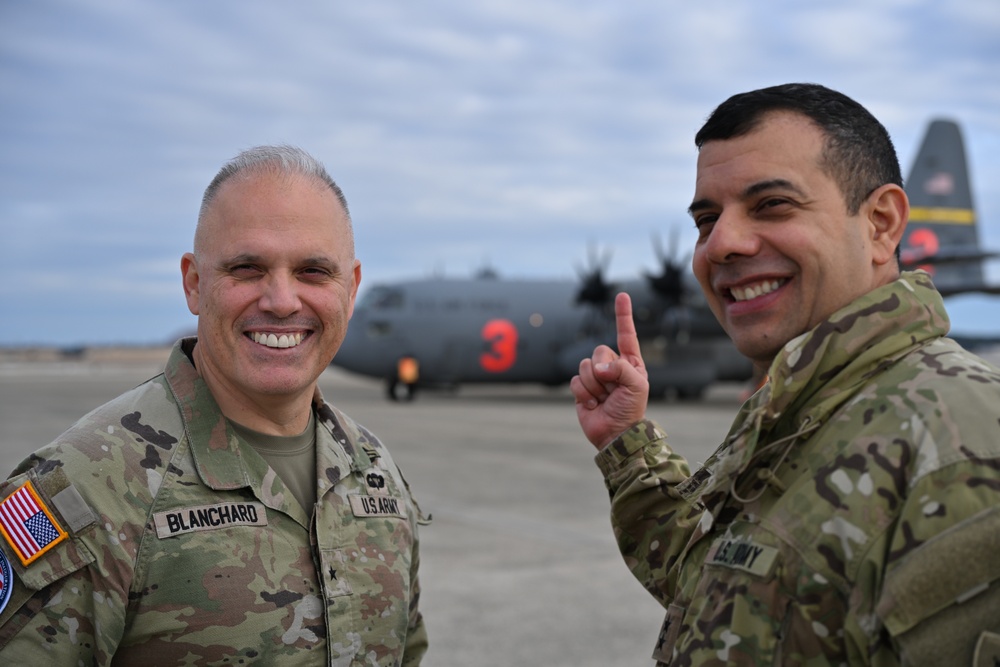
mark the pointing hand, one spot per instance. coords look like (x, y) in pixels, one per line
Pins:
(612, 389)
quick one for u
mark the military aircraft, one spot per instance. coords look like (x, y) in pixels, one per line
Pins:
(444, 332)
(941, 237)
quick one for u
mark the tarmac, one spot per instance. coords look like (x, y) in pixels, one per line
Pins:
(519, 566)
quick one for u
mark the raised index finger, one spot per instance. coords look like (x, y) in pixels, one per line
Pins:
(628, 341)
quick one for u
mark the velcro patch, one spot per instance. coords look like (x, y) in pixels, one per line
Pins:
(28, 525)
(669, 631)
(987, 650)
(742, 554)
(6, 581)
(208, 517)
(368, 506)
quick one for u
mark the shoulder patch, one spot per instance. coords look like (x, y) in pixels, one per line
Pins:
(28, 524)
(6, 581)
(987, 650)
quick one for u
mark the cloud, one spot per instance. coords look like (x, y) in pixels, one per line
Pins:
(510, 131)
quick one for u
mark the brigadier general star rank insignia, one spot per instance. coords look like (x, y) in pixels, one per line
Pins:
(28, 525)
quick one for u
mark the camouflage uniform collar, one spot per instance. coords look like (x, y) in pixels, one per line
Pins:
(215, 446)
(353, 440)
(213, 443)
(817, 372)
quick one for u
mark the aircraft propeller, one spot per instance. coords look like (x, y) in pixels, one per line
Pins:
(594, 288)
(669, 282)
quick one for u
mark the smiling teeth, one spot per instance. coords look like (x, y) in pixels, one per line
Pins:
(270, 340)
(754, 291)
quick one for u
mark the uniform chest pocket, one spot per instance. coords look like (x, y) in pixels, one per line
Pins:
(367, 584)
(733, 608)
(374, 548)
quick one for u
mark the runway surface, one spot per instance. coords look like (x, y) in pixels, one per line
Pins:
(519, 566)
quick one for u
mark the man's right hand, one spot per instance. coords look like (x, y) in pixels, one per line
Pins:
(612, 389)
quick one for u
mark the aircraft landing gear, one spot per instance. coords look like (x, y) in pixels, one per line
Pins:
(403, 385)
(399, 391)
(690, 393)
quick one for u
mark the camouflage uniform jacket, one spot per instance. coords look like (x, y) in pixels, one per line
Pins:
(183, 547)
(852, 515)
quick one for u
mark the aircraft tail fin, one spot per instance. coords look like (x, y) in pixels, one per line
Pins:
(941, 236)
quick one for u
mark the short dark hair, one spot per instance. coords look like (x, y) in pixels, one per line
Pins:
(857, 153)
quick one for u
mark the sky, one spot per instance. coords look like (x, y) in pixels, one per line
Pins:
(515, 134)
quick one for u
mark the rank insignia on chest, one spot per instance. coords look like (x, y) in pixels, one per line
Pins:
(28, 525)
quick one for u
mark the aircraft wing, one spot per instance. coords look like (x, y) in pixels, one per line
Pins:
(964, 289)
(911, 259)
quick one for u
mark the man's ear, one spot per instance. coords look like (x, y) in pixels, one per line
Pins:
(354, 287)
(888, 212)
(190, 276)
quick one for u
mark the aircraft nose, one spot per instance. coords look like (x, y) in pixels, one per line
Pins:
(352, 348)
(370, 347)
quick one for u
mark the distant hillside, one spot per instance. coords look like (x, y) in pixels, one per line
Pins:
(109, 354)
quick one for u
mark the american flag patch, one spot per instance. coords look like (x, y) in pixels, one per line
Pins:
(28, 525)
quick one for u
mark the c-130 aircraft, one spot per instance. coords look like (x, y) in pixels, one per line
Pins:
(444, 332)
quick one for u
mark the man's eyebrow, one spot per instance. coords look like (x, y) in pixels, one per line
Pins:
(322, 260)
(750, 191)
(773, 184)
(251, 258)
(242, 258)
(700, 205)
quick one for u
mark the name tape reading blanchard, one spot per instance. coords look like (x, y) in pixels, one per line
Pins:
(208, 517)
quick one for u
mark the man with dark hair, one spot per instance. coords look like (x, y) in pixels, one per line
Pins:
(857, 151)
(852, 514)
(223, 512)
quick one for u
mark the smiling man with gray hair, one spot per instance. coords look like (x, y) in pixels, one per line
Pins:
(224, 512)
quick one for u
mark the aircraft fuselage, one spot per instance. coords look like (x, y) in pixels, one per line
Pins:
(455, 331)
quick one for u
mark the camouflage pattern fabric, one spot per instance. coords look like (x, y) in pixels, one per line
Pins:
(184, 548)
(852, 515)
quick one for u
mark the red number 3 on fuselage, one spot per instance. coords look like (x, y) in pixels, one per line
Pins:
(501, 337)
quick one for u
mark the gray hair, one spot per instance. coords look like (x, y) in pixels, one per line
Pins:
(277, 160)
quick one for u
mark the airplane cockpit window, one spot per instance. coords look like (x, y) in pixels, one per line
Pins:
(382, 298)
(379, 329)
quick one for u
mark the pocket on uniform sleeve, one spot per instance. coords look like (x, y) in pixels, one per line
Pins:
(38, 545)
(938, 600)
